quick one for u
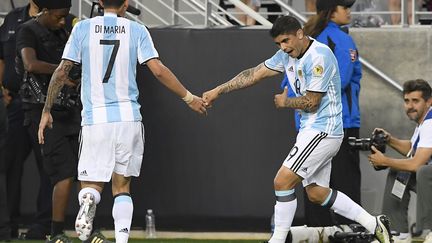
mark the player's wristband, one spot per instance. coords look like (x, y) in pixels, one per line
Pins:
(188, 97)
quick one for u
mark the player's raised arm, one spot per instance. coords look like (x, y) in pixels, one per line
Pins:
(167, 78)
(244, 79)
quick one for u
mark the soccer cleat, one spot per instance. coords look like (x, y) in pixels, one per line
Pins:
(61, 238)
(97, 237)
(287, 240)
(382, 229)
(84, 219)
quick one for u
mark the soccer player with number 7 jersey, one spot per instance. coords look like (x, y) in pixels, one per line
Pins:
(108, 48)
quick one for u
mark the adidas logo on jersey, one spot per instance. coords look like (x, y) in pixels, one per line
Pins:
(83, 173)
(124, 230)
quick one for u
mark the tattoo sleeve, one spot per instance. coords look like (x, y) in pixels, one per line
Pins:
(242, 80)
(58, 79)
(308, 103)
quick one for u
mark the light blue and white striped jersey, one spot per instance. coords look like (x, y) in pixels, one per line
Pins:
(317, 70)
(109, 47)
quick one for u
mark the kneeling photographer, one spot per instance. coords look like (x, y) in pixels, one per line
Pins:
(40, 44)
(413, 173)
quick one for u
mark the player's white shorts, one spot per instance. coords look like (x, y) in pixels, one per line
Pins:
(311, 156)
(110, 147)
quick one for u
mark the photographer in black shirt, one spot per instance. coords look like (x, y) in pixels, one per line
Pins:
(40, 43)
(18, 143)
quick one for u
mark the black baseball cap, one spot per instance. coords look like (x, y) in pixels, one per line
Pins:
(53, 4)
(330, 4)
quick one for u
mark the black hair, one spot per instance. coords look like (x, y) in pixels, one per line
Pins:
(285, 25)
(418, 85)
(317, 23)
(113, 3)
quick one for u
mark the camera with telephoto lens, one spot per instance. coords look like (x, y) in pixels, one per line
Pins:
(378, 140)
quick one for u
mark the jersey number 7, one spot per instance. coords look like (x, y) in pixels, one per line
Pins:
(116, 44)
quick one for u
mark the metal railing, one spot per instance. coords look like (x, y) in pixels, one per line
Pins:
(363, 61)
(208, 13)
(211, 14)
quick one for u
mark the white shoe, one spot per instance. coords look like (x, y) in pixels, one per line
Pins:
(84, 219)
(382, 230)
(428, 238)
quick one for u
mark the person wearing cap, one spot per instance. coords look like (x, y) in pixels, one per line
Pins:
(325, 26)
(40, 43)
(18, 144)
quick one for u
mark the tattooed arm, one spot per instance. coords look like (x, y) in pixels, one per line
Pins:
(308, 103)
(59, 78)
(244, 79)
(247, 78)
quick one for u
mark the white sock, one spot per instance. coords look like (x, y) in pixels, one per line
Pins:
(346, 207)
(283, 217)
(90, 190)
(122, 213)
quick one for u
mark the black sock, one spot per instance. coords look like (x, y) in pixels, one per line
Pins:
(57, 228)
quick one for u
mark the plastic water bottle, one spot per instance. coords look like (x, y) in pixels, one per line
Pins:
(150, 224)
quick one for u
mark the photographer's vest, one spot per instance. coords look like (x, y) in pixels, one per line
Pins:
(35, 86)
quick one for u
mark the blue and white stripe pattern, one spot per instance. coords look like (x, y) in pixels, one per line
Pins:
(317, 71)
(109, 47)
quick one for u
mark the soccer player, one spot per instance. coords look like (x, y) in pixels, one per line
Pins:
(313, 74)
(112, 140)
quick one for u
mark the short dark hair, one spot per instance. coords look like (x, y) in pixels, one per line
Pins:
(285, 25)
(113, 3)
(418, 85)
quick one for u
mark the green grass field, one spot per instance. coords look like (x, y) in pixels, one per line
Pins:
(164, 241)
(174, 241)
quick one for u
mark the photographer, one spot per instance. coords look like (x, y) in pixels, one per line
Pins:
(40, 43)
(18, 144)
(415, 172)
